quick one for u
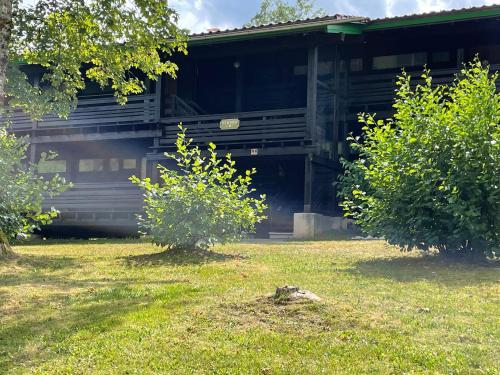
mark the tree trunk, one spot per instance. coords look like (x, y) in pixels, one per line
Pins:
(5, 33)
(5, 249)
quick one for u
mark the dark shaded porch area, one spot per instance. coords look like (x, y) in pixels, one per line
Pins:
(238, 83)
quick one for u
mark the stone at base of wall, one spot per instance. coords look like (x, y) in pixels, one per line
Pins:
(311, 226)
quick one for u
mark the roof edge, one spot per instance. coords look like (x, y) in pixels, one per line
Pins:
(271, 30)
(428, 19)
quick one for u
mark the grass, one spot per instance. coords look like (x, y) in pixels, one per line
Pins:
(119, 307)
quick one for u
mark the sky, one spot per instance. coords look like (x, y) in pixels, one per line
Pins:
(200, 15)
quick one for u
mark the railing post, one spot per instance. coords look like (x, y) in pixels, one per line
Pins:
(308, 183)
(312, 91)
(157, 102)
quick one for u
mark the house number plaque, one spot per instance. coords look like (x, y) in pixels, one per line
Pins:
(229, 124)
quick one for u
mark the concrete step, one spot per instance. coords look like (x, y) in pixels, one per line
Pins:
(280, 235)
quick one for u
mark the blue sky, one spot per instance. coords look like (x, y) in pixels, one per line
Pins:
(199, 15)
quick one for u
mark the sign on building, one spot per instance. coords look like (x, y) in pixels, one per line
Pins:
(229, 124)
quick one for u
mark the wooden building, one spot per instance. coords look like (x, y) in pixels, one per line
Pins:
(281, 98)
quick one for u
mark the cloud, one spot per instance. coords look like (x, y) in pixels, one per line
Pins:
(200, 15)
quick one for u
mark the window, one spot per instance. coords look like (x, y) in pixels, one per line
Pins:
(399, 61)
(441, 57)
(356, 65)
(325, 68)
(300, 70)
(129, 163)
(114, 165)
(52, 166)
(91, 165)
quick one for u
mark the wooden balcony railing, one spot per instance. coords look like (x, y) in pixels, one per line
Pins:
(275, 126)
(374, 92)
(102, 111)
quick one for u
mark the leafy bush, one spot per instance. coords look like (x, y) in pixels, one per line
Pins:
(430, 176)
(22, 190)
(202, 203)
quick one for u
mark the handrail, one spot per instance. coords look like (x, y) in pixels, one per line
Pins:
(240, 115)
(95, 111)
(262, 127)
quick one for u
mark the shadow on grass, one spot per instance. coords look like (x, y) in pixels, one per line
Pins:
(46, 262)
(55, 330)
(430, 268)
(79, 241)
(176, 258)
(35, 332)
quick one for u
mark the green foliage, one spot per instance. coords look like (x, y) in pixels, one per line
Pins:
(276, 11)
(430, 177)
(105, 41)
(203, 203)
(22, 189)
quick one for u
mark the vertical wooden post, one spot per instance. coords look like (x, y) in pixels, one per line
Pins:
(336, 105)
(238, 104)
(308, 177)
(33, 152)
(36, 83)
(158, 96)
(312, 91)
(153, 172)
(34, 125)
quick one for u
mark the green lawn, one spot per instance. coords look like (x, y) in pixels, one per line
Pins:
(116, 307)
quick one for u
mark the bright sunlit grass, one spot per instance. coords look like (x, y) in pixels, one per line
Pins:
(116, 307)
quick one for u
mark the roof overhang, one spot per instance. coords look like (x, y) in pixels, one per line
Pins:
(268, 31)
(413, 21)
(347, 25)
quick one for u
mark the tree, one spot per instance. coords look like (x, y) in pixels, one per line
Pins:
(277, 11)
(72, 42)
(106, 41)
(429, 177)
(22, 191)
(202, 203)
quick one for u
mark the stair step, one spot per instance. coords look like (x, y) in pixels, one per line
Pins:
(280, 235)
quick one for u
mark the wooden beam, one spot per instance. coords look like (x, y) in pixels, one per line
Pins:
(33, 153)
(336, 105)
(308, 177)
(312, 91)
(94, 136)
(158, 103)
(238, 105)
(349, 29)
(247, 152)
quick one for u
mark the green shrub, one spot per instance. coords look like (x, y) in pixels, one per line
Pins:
(22, 190)
(201, 203)
(430, 176)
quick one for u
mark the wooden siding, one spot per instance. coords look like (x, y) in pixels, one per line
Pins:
(276, 126)
(98, 203)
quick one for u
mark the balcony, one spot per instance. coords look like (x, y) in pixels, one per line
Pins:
(95, 119)
(262, 128)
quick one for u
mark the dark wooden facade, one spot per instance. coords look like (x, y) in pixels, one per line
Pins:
(296, 92)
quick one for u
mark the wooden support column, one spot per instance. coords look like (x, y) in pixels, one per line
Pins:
(33, 153)
(158, 98)
(336, 105)
(238, 104)
(312, 91)
(308, 182)
(152, 170)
